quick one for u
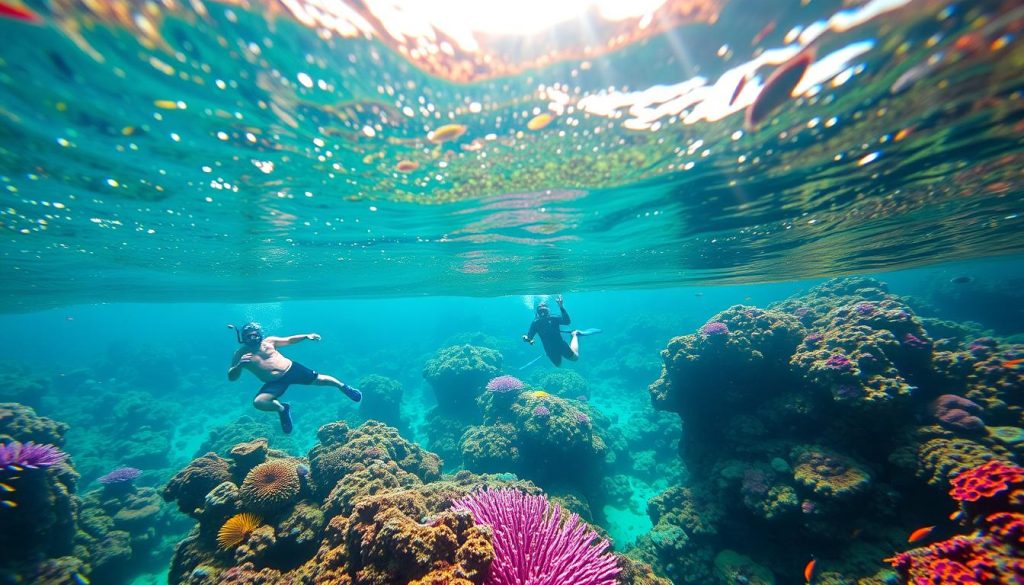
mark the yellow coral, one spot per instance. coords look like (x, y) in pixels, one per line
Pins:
(539, 394)
(237, 529)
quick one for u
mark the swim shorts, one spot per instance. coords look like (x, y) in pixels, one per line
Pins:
(297, 374)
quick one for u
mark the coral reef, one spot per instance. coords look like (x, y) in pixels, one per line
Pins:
(812, 420)
(991, 498)
(375, 511)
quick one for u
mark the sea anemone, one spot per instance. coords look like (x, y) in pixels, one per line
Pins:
(503, 384)
(555, 551)
(121, 475)
(270, 486)
(237, 529)
(29, 455)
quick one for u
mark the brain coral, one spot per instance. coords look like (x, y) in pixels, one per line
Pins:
(270, 486)
(828, 474)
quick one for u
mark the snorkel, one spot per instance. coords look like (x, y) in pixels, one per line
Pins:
(250, 334)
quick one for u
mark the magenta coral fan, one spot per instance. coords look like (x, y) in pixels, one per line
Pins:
(503, 384)
(121, 475)
(29, 455)
(532, 546)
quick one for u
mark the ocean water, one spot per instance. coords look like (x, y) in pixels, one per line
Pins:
(792, 229)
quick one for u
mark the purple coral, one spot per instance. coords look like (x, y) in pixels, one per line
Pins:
(503, 384)
(121, 475)
(838, 361)
(864, 309)
(957, 413)
(582, 417)
(533, 546)
(29, 455)
(541, 411)
(914, 342)
(714, 328)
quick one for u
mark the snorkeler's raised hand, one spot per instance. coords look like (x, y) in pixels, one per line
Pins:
(558, 299)
(313, 337)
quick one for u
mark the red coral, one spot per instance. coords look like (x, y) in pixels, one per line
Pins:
(1006, 526)
(985, 481)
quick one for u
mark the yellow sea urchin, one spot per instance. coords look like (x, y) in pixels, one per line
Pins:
(270, 486)
(237, 528)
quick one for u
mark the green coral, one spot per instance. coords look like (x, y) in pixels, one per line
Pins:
(490, 448)
(828, 474)
(459, 373)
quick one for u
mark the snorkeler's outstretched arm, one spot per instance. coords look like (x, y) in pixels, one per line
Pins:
(293, 339)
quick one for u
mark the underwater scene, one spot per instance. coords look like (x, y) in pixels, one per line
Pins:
(453, 292)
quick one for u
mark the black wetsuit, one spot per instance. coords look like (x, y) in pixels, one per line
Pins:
(551, 336)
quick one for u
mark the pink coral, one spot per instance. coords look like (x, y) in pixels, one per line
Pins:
(534, 546)
(985, 481)
(956, 412)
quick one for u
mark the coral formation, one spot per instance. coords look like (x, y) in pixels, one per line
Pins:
(991, 498)
(567, 547)
(957, 413)
(270, 486)
(237, 528)
(458, 374)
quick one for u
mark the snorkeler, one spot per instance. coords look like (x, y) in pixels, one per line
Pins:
(547, 327)
(259, 355)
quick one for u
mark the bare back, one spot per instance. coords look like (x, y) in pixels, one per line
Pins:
(266, 363)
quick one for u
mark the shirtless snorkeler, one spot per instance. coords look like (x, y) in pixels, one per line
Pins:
(259, 355)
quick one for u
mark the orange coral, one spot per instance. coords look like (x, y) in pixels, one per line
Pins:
(270, 486)
(237, 529)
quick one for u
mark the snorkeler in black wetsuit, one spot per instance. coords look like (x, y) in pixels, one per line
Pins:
(547, 327)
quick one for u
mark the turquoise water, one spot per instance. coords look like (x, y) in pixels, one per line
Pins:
(811, 324)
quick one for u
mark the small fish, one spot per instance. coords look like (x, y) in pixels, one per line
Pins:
(8, 504)
(407, 166)
(920, 534)
(14, 467)
(7, 488)
(764, 32)
(81, 579)
(539, 121)
(69, 318)
(446, 133)
(1013, 363)
(955, 515)
(964, 279)
(739, 88)
(809, 570)
(17, 12)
